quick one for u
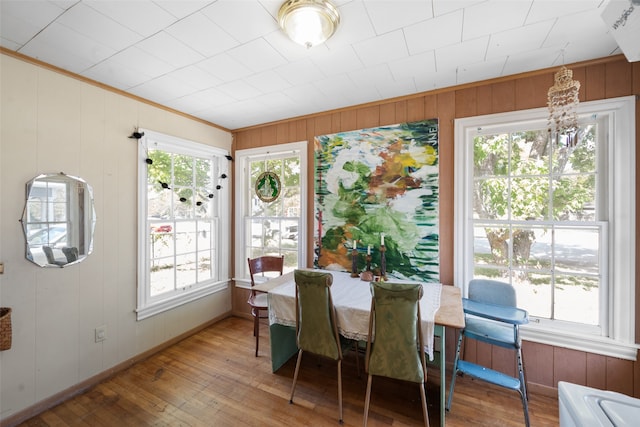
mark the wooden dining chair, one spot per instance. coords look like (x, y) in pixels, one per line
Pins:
(316, 328)
(258, 300)
(394, 346)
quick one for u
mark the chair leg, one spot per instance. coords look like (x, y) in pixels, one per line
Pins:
(295, 375)
(357, 358)
(425, 413)
(366, 401)
(256, 329)
(455, 372)
(340, 389)
(523, 388)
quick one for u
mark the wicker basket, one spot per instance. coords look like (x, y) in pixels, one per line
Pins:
(5, 328)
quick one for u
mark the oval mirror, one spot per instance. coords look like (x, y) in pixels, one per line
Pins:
(58, 220)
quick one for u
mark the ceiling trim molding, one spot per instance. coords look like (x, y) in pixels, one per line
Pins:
(511, 77)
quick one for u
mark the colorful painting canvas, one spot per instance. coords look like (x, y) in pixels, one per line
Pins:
(378, 185)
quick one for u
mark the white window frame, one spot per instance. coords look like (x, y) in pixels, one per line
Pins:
(241, 276)
(149, 306)
(619, 339)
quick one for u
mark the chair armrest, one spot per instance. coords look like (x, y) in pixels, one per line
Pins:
(501, 313)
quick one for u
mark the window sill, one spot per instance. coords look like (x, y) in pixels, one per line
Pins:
(588, 343)
(158, 307)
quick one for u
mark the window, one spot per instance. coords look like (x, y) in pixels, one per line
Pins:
(555, 217)
(183, 225)
(264, 225)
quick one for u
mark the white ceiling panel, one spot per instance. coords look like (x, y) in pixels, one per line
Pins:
(385, 48)
(202, 35)
(389, 15)
(227, 61)
(443, 30)
(142, 16)
(21, 20)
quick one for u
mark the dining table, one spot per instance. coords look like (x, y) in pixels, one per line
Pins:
(440, 308)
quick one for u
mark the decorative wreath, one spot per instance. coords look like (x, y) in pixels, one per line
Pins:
(268, 186)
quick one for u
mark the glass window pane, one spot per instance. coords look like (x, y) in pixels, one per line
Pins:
(491, 198)
(532, 247)
(529, 198)
(529, 153)
(534, 292)
(185, 270)
(577, 299)
(183, 170)
(186, 237)
(204, 266)
(574, 198)
(162, 276)
(491, 155)
(577, 250)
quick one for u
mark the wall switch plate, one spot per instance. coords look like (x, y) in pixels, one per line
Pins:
(101, 333)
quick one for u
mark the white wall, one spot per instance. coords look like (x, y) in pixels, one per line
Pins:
(53, 123)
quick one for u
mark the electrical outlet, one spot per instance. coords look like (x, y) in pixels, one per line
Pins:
(101, 333)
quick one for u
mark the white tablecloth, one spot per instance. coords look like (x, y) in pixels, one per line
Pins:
(352, 299)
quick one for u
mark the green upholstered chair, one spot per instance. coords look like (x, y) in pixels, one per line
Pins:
(316, 328)
(258, 300)
(394, 346)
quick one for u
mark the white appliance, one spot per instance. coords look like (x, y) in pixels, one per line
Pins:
(582, 406)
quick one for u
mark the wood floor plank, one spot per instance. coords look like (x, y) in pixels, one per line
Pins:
(213, 379)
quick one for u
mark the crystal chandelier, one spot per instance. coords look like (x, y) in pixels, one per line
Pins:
(562, 99)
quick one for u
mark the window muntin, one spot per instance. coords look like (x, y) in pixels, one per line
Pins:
(534, 199)
(581, 240)
(184, 222)
(271, 228)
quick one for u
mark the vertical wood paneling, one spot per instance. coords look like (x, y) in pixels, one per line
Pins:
(430, 107)
(348, 121)
(620, 375)
(545, 365)
(401, 112)
(503, 96)
(269, 133)
(617, 79)
(504, 360)
(594, 82)
(538, 362)
(282, 133)
(415, 109)
(532, 92)
(596, 371)
(466, 102)
(368, 117)
(388, 114)
(446, 111)
(569, 365)
(323, 125)
(484, 93)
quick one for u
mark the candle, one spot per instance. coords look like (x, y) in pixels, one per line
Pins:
(355, 244)
(381, 239)
(369, 250)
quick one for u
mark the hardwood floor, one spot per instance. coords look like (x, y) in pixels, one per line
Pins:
(213, 379)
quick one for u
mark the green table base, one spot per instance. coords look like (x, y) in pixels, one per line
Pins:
(283, 347)
(283, 344)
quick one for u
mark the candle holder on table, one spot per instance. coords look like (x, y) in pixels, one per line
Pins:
(367, 275)
(354, 263)
(383, 263)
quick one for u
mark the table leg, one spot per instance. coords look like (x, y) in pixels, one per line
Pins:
(440, 331)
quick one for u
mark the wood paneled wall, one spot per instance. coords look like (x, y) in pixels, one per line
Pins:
(605, 78)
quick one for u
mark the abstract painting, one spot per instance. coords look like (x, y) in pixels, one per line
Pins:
(375, 186)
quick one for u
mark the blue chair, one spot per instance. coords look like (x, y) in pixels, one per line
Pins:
(394, 346)
(492, 316)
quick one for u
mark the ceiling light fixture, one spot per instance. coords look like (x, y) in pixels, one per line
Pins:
(308, 22)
